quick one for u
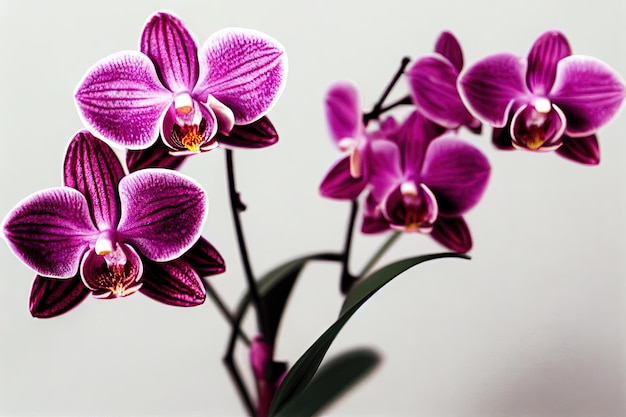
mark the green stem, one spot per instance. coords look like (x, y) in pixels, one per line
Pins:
(379, 254)
(224, 310)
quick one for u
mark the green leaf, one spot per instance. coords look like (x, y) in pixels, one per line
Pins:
(334, 378)
(303, 370)
(275, 288)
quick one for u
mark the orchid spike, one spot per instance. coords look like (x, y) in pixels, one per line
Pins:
(546, 99)
(111, 234)
(185, 95)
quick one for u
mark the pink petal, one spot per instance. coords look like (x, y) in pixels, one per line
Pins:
(490, 86)
(340, 184)
(174, 283)
(448, 46)
(343, 111)
(50, 230)
(121, 100)
(163, 212)
(244, 69)
(544, 55)
(174, 51)
(50, 297)
(589, 92)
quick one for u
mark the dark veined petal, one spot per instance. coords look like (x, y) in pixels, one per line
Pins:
(174, 283)
(448, 46)
(457, 173)
(156, 156)
(50, 297)
(373, 219)
(343, 111)
(544, 55)
(537, 131)
(121, 99)
(163, 212)
(92, 168)
(584, 150)
(258, 134)
(453, 233)
(433, 88)
(50, 230)
(588, 91)
(489, 87)
(174, 51)
(205, 259)
(245, 70)
(340, 184)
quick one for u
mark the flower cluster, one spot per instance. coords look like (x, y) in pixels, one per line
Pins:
(115, 229)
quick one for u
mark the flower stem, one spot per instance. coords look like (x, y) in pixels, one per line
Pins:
(224, 310)
(379, 254)
(378, 107)
(347, 279)
(236, 207)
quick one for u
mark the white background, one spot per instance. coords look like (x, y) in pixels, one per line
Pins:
(533, 325)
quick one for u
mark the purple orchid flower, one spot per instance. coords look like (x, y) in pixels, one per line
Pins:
(112, 235)
(348, 177)
(423, 182)
(432, 80)
(548, 100)
(187, 97)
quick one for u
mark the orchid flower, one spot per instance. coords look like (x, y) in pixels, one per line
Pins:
(432, 80)
(548, 100)
(423, 182)
(347, 178)
(173, 90)
(112, 235)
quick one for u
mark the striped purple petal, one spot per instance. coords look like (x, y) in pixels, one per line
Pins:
(457, 173)
(544, 55)
(174, 283)
(448, 46)
(245, 70)
(589, 92)
(453, 233)
(50, 297)
(50, 230)
(340, 184)
(92, 168)
(490, 86)
(163, 212)
(258, 134)
(583, 150)
(121, 99)
(173, 49)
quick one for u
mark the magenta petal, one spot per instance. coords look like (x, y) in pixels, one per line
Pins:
(205, 259)
(433, 87)
(121, 99)
(92, 168)
(163, 212)
(50, 230)
(457, 173)
(174, 283)
(50, 297)
(258, 134)
(453, 233)
(156, 156)
(385, 167)
(373, 219)
(414, 137)
(245, 70)
(174, 51)
(588, 91)
(584, 150)
(448, 46)
(343, 111)
(543, 58)
(340, 184)
(489, 87)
